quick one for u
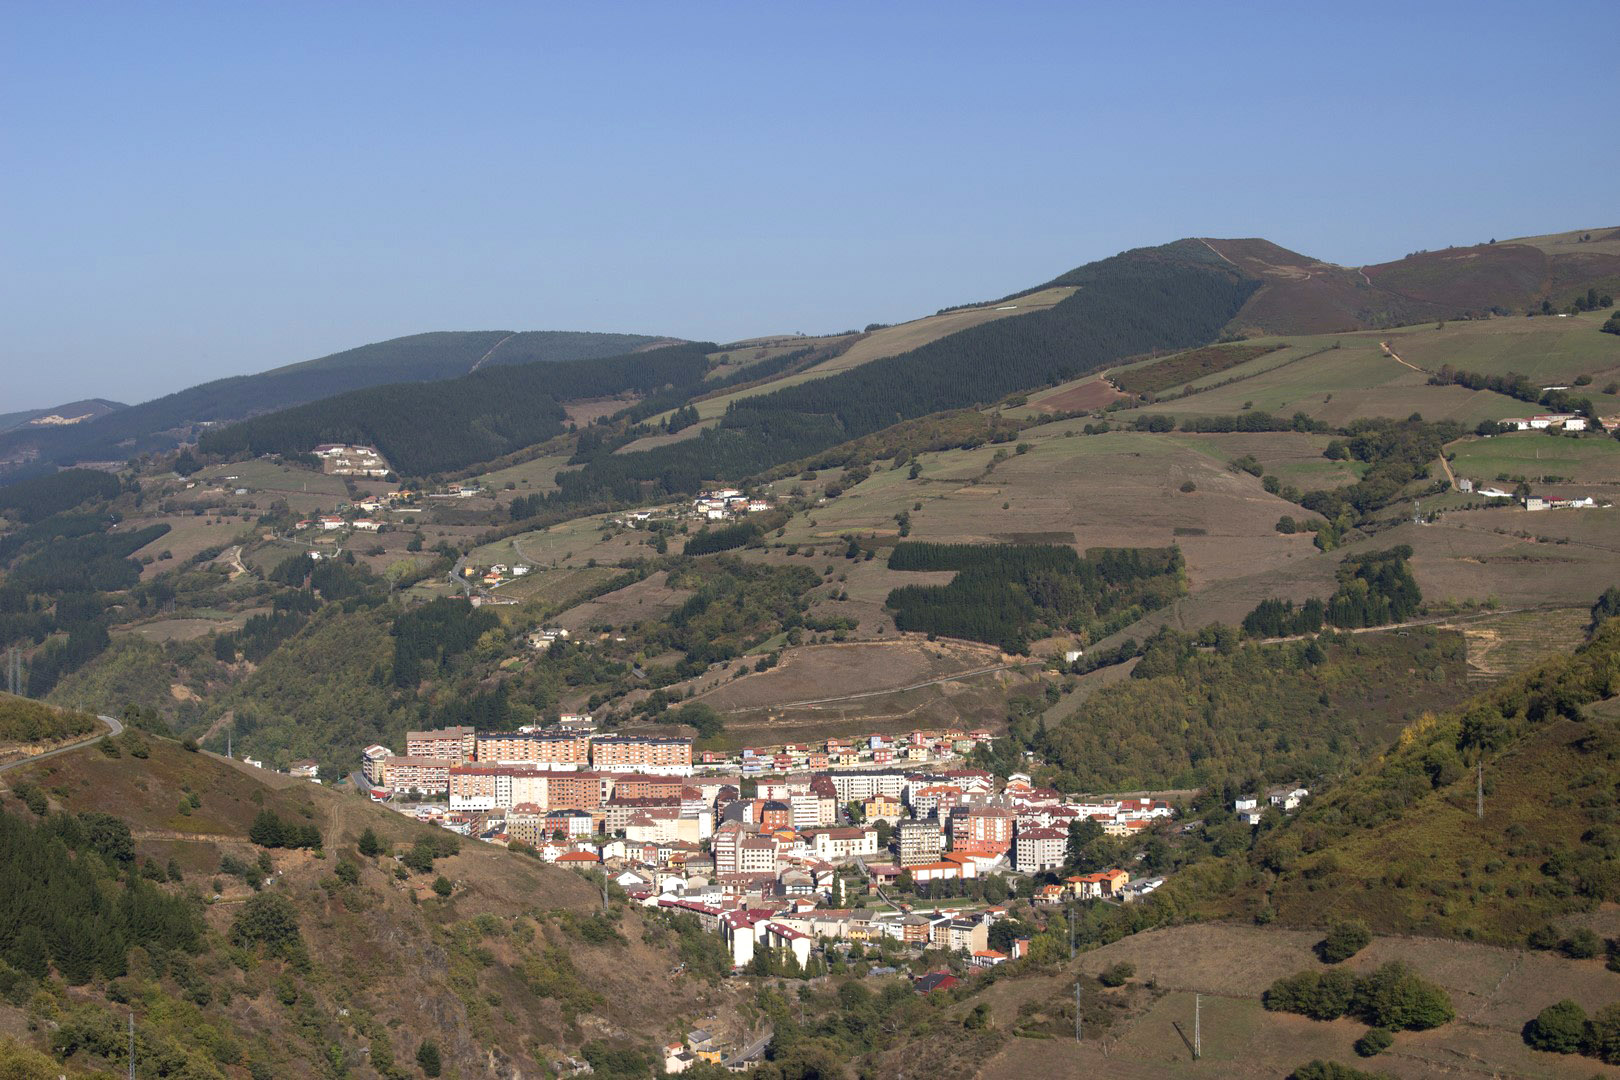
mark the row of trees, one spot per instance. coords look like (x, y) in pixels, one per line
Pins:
(1375, 588)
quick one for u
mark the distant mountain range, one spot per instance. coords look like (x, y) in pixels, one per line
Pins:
(163, 423)
(1286, 293)
(74, 412)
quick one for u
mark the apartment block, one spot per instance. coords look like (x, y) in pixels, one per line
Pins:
(457, 744)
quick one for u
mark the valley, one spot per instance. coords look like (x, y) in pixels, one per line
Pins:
(795, 702)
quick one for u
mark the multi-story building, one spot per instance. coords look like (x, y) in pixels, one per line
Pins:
(812, 811)
(842, 843)
(884, 808)
(427, 775)
(756, 855)
(642, 754)
(645, 786)
(724, 846)
(860, 785)
(581, 790)
(1036, 849)
(553, 751)
(487, 787)
(527, 823)
(981, 830)
(457, 744)
(918, 842)
(374, 764)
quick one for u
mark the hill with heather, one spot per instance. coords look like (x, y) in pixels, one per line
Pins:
(309, 947)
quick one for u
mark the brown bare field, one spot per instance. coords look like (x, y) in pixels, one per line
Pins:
(1493, 990)
(1092, 392)
(812, 672)
(649, 598)
(857, 688)
(590, 410)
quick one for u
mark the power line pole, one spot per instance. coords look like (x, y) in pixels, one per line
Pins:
(1198, 1032)
(1077, 1022)
(132, 1044)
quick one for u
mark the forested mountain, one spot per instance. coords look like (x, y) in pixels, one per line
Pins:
(431, 427)
(74, 412)
(161, 422)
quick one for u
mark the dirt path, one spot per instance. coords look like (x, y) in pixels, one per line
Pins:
(1451, 477)
(491, 352)
(1431, 620)
(1393, 355)
(1211, 247)
(234, 557)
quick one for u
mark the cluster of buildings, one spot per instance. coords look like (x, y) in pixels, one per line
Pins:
(1557, 421)
(915, 747)
(341, 459)
(1287, 798)
(445, 761)
(725, 503)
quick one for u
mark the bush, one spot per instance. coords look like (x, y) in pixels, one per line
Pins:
(1117, 975)
(1188, 487)
(1375, 1042)
(1558, 1029)
(427, 1056)
(1392, 997)
(442, 886)
(1583, 944)
(1344, 940)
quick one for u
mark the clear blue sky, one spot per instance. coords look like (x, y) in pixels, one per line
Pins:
(189, 191)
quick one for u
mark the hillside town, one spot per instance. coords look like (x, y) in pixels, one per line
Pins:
(792, 850)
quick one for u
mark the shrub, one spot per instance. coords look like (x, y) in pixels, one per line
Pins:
(427, 1056)
(1188, 487)
(1344, 940)
(442, 886)
(1558, 1029)
(1375, 1042)
(1583, 944)
(1117, 975)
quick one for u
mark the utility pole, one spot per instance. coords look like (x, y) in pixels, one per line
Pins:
(132, 1044)
(1479, 787)
(1077, 1023)
(1070, 921)
(1198, 1032)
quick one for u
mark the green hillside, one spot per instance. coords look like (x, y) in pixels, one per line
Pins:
(1403, 848)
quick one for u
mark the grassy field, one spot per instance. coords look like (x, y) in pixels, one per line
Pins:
(530, 477)
(1534, 454)
(551, 587)
(1493, 990)
(1338, 385)
(1548, 350)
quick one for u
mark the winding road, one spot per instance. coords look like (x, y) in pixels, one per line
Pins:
(114, 725)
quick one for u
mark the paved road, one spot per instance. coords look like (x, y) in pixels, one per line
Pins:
(115, 727)
(753, 1049)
